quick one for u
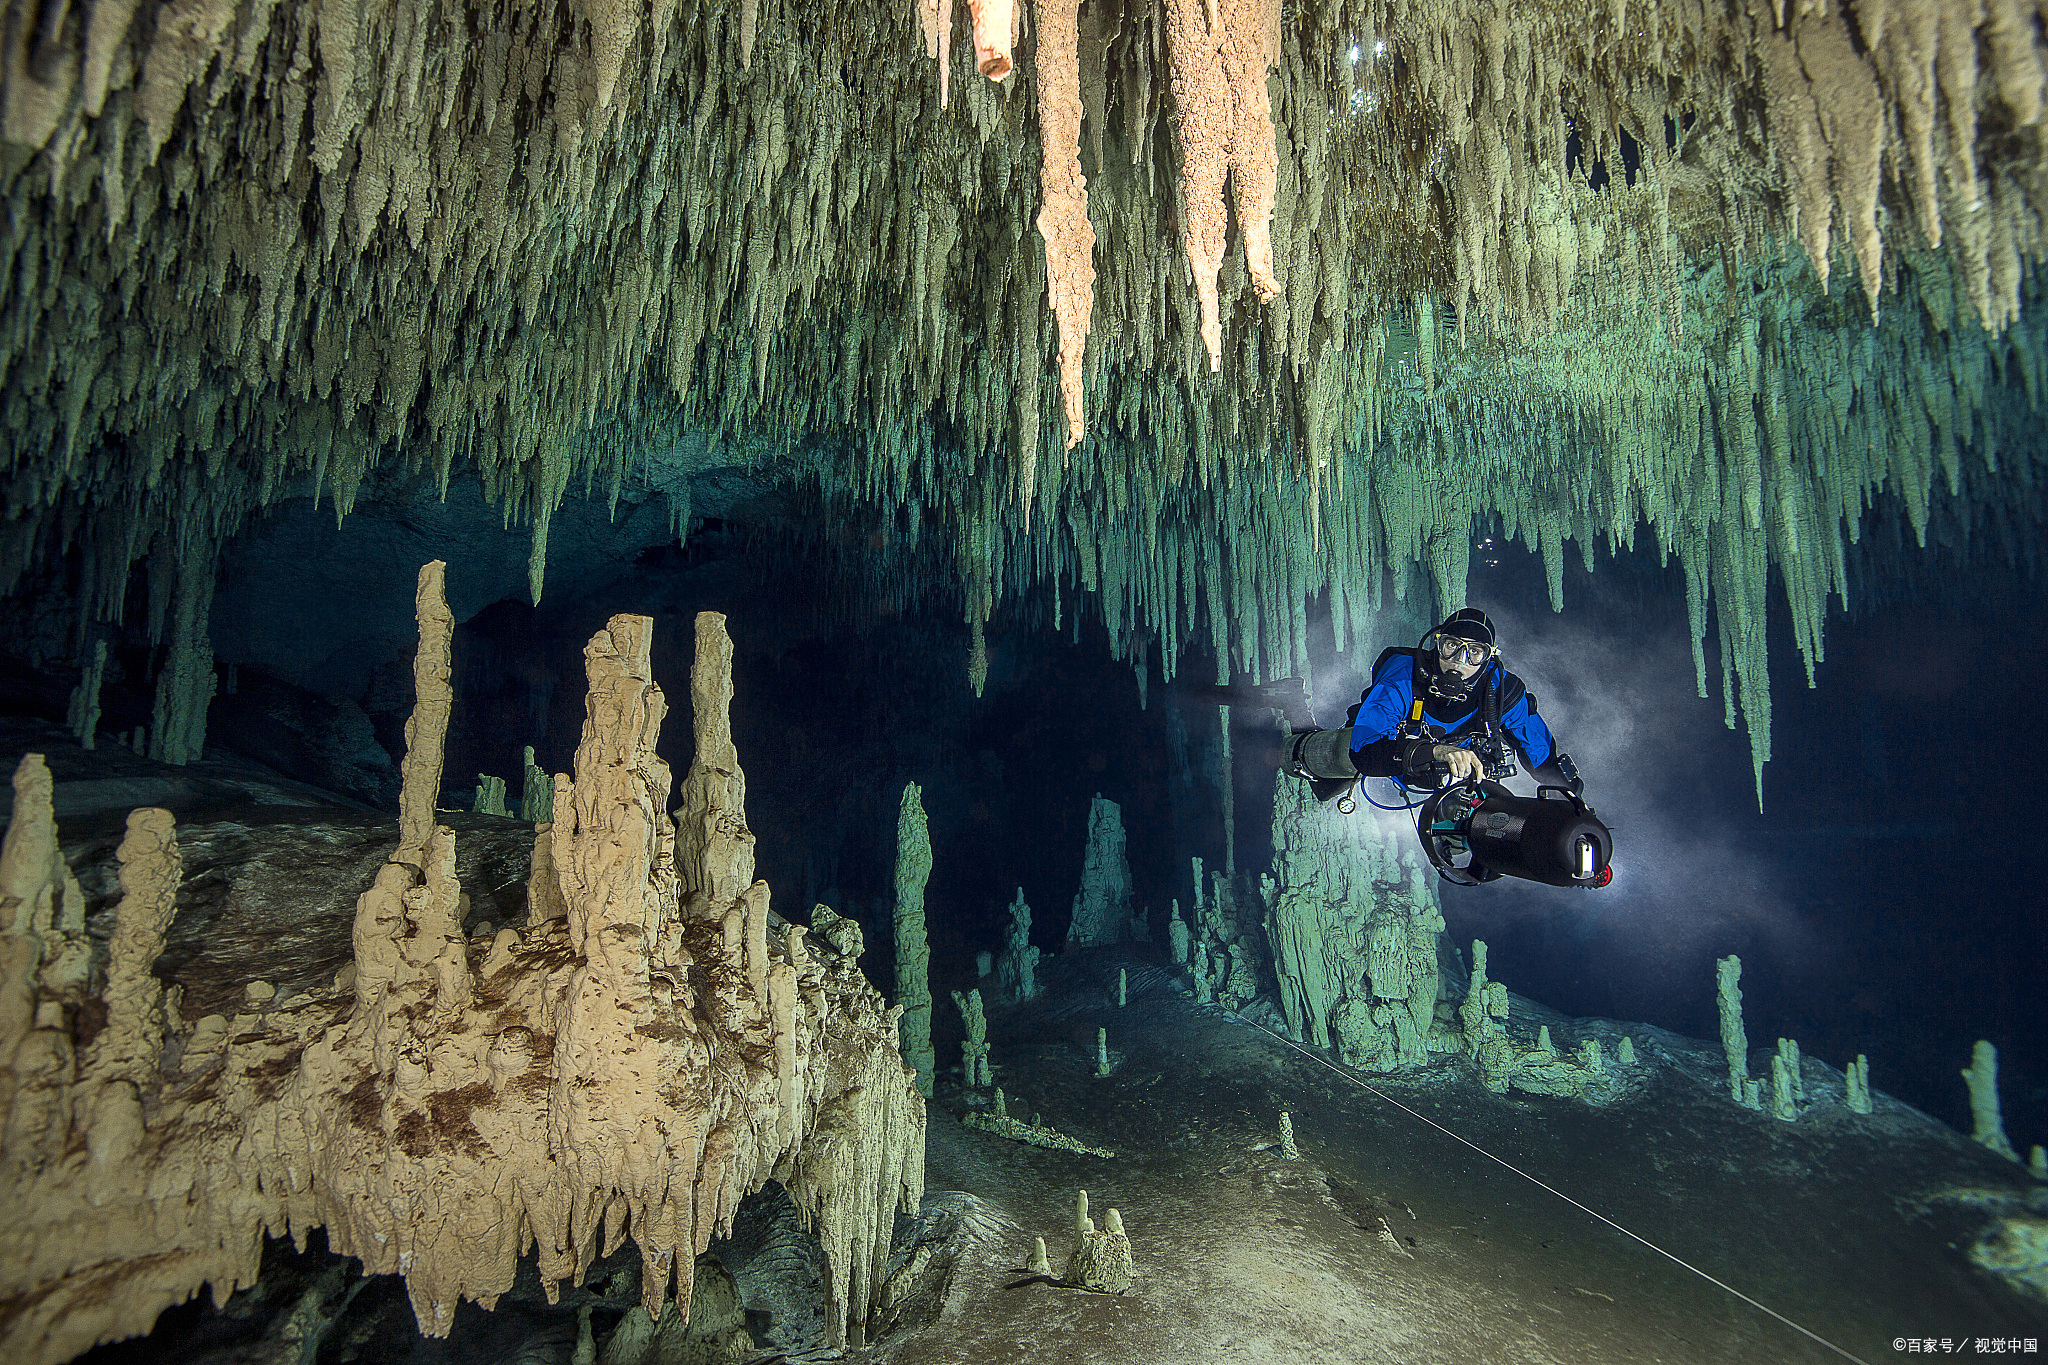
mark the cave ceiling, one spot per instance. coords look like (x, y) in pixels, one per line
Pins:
(1193, 309)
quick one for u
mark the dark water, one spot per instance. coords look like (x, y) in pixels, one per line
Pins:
(1886, 900)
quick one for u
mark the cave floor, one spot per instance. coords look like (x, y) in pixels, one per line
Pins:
(1848, 1225)
(1857, 1227)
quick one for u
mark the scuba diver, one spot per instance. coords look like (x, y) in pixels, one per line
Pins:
(1445, 719)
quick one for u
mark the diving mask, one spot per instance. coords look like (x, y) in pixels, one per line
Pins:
(1452, 650)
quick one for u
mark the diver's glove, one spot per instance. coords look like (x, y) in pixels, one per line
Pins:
(1569, 771)
(1433, 766)
(1462, 764)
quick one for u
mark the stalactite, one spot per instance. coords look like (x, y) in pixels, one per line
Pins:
(1218, 52)
(1062, 218)
(593, 233)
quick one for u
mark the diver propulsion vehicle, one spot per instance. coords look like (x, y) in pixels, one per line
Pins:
(1477, 831)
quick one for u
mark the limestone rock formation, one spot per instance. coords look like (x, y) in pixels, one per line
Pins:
(1100, 1260)
(1102, 907)
(711, 1331)
(1986, 1118)
(1856, 1086)
(618, 1066)
(1033, 1134)
(1063, 217)
(974, 1070)
(185, 687)
(1505, 1063)
(1003, 1125)
(841, 933)
(490, 796)
(913, 950)
(1017, 965)
(1353, 923)
(1734, 1039)
(1218, 52)
(82, 716)
(537, 793)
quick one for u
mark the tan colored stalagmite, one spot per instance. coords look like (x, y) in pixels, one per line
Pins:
(426, 729)
(714, 847)
(554, 1091)
(408, 928)
(44, 959)
(150, 871)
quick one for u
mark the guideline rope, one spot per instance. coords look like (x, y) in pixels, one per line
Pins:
(1595, 1213)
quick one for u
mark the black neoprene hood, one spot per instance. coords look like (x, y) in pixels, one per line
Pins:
(1470, 623)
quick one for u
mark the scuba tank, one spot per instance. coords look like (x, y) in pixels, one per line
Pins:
(1322, 758)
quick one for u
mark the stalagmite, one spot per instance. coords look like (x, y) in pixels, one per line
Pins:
(490, 796)
(1226, 791)
(1856, 1085)
(1784, 1097)
(974, 1071)
(426, 729)
(185, 687)
(1102, 906)
(1987, 1119)
(1788, 1051)
(1017, 968)
(82, 716)
(1353, 923)
(913, 983)
(44, 961)
(537, 795)
(1734, 1040)
(714, 847)
(408, 929)
(1101, 1260)
(437, 1122)
(1177, 937)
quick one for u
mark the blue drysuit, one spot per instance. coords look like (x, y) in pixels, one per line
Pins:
(1376, 753)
